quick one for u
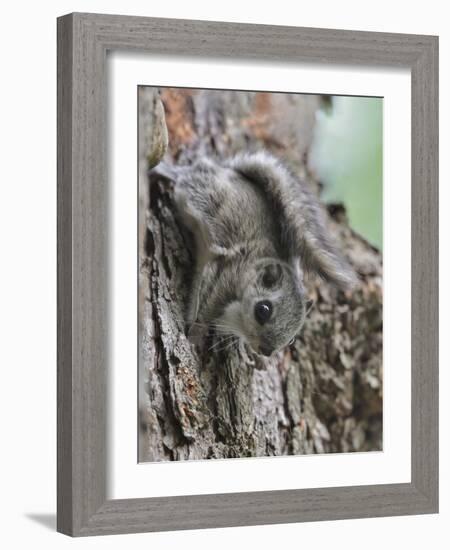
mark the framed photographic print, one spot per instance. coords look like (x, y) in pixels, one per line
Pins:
(247, 274)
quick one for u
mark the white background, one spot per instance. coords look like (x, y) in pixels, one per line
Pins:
(28, 274)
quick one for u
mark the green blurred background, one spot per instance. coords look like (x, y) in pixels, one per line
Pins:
(347, 157)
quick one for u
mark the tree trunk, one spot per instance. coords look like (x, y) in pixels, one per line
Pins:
(323, 393)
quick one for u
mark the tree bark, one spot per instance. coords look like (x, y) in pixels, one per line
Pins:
(322, 394)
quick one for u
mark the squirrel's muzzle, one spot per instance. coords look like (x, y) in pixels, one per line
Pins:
(266, 350)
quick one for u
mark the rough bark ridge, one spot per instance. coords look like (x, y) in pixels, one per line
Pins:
(323, 393)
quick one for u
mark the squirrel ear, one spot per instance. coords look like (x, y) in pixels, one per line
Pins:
(271, 275)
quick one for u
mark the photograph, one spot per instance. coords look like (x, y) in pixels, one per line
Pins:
(260, 299)
(221, 295)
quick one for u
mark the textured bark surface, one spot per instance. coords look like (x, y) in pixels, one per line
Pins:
(323, 393)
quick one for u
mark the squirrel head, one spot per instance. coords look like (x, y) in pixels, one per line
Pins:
(270, 308)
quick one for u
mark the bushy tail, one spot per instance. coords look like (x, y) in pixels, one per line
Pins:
(302, 224)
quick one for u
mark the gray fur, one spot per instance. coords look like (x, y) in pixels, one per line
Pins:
(256, 228)
(302, 228)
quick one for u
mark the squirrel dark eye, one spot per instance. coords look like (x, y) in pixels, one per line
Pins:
(263, 311)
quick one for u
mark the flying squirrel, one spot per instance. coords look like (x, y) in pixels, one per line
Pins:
(257, 229)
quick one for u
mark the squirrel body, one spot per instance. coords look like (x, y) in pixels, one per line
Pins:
(256, 230)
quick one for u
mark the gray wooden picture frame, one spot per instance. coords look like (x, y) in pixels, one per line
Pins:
(83, 42)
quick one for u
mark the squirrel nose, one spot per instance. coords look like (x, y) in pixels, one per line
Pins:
(265, 350)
